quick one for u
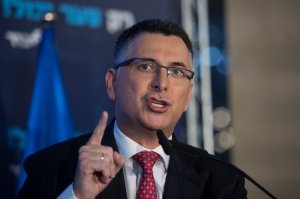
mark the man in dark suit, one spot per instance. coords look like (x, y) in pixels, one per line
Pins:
(150, 82)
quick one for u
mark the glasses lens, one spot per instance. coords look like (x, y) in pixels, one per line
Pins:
(180, 72)
(145, 66)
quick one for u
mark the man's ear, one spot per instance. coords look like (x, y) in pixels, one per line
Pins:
(110, 83)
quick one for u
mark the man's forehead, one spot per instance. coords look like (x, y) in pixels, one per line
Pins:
(170, 48)
(152, 35)
(151, 40)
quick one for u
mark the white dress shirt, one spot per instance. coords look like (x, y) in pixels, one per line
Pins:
(132, 171)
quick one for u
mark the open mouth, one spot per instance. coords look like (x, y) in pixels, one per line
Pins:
(158, 104)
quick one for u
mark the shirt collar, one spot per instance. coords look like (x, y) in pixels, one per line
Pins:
(128, 147)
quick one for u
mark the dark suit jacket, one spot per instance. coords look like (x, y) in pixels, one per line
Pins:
(196, 176)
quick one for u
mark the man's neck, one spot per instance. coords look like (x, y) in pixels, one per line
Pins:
(144, 137)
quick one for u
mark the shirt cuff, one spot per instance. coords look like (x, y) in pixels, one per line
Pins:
(68, 193)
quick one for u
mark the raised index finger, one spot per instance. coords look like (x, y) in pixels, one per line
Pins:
(97, 135)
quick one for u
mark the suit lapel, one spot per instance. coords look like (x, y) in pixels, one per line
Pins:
(116, 189)
(183, 178)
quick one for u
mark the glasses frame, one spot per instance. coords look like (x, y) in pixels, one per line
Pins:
(129, 61)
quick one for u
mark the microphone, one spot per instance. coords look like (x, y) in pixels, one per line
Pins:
(168, 148)
(164, 142)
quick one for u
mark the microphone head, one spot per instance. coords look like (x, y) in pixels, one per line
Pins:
(164, 142)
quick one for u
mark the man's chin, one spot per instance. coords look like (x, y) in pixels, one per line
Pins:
(156, 125)
(155, 121)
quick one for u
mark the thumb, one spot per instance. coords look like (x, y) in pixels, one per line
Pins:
(119, 160)
(98, 133)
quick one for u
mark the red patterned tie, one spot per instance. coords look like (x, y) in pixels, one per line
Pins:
(147, 187)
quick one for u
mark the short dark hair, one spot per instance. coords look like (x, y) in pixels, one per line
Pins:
(151, 26)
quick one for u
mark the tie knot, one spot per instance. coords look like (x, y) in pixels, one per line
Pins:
(146, 159)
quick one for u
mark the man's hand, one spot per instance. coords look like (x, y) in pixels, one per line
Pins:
(97, 164)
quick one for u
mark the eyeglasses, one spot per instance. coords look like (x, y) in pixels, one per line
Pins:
(149, 66)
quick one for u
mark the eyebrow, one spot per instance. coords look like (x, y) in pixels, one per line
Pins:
(179, 64)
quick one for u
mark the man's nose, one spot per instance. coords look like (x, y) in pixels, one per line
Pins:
(160, 80)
